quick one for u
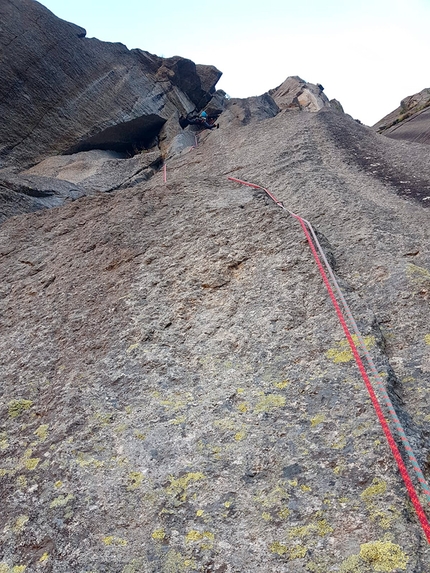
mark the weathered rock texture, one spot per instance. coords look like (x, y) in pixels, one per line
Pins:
(410, 121)
(62, 92)
(176, 390)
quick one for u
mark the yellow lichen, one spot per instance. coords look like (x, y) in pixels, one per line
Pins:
(134, 480)
(31, 463)
(132, 347)
(270, 402)
(293, 552)
(17, 407)
(227, 504)
(179, 420)
(417, 274)
(239, 435)
(242, 407)
(158, 534)
(4, 444)
(323, 528)
(21, 482)
(266, 516)
(87, 461)
(44, 557)
(139, 435)
(282, 385)
(378, 487)
(20, 523)
(298, 552)
(4, 568)
(342, 352)
(278, 548)
(112, 540)
(58, 484)
(200, 512)
(205, 538)
(305, 488)
(177, 563)
(61, 500)
(42, 432)
(318, 419)
(351, 565)
(383, 556)
(320, 527)
(339, 444)
(284, 513)
(427, 341)
(178, 486)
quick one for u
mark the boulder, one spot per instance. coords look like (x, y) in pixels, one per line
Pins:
(295, 93)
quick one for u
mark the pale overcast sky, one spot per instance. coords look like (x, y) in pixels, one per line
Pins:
(368, 54)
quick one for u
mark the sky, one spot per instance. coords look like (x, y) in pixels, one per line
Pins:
(368, 54)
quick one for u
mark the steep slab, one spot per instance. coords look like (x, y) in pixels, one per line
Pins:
(177, 391)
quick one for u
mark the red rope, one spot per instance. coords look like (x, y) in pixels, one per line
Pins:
(395, 450)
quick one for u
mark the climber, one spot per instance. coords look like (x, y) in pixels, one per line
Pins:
(202, 120)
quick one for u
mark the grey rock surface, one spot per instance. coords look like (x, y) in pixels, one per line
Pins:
(410, 121)
(177, 393)
(97, 170)
(22, 193)
(62, 92)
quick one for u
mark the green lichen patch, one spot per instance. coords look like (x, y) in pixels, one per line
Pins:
(17, 407)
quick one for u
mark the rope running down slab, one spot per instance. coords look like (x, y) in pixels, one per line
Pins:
(306, 226)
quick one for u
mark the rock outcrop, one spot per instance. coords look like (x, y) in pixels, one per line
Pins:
(410, 121)
(295, 93)
(63, 93)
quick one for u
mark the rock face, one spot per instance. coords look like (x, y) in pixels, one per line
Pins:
(64, 93)
(410, 121)
(177, 393)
